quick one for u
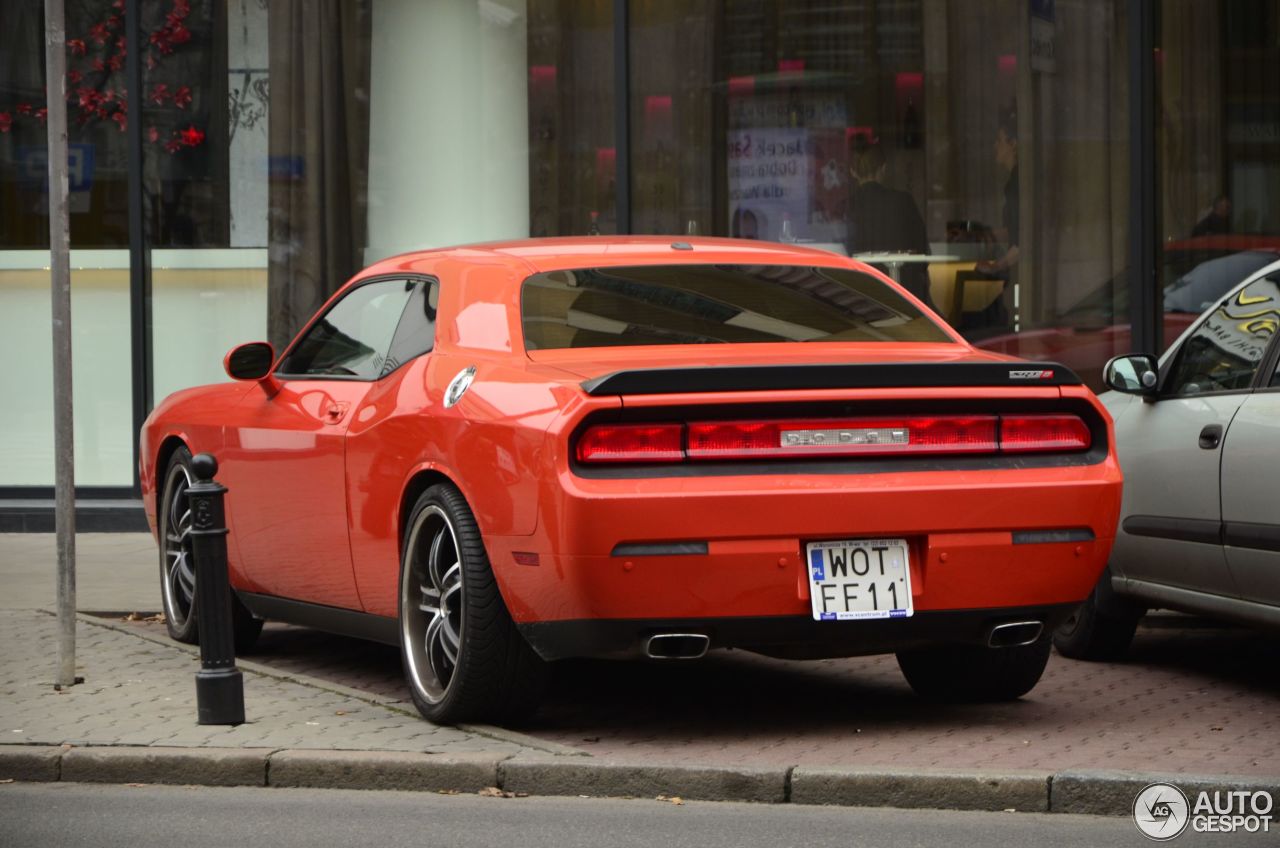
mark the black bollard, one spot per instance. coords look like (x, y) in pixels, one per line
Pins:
(219, 684)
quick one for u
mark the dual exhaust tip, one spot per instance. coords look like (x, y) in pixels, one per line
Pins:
(677, 646)
(1014, 633)
(692, 646)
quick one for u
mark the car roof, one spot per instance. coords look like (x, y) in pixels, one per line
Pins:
(555, 254)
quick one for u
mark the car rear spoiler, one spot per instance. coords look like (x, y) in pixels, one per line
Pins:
(752, 378)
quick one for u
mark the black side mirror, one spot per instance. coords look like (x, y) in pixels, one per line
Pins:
(1133, 374)
(251, 361)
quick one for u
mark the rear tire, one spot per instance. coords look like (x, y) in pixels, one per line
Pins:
(463, 658)
(177, 565)
(972, 673)
(1102, 628)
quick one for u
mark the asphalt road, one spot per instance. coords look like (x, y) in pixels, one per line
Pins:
(138, 816)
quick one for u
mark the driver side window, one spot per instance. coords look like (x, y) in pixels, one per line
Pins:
(352, 339)
(1224, 352)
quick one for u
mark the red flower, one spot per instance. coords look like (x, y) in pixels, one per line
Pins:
(159, 94)
(6, 122)
(77, 46)
(191, 136)
(173, 145)
(161, 39)
(99, 33)
(116, 62)
(98, 64)
(153, 135)
(122, 44)
(108, 94)
(182, 97)
(181, 8)
(41, 114)
(24, 108)
(180, 34)
(88, 98)
(74, 77)
(122, 119)
(114, 21)
(151, 62)
(119, 4)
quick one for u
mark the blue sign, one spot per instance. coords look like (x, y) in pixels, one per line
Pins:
(1042, 9)
(287, 168)
(34, 166)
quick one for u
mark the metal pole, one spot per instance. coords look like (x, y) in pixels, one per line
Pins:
(622, 112)
(219, 684)
(55, 53)
(1144, 282)
(139, 276)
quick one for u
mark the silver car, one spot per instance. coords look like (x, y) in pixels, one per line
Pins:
(1198, 435)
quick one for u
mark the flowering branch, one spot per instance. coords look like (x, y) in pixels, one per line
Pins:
(108, 45)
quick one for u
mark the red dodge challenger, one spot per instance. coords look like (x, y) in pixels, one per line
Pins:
(501, 455)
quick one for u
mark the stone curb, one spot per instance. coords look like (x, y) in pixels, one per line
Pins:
(30, 762)
(200, 766)
(1111, 793)
(383, 770)
(546, 776)
(1108, 793)
(1024, 791)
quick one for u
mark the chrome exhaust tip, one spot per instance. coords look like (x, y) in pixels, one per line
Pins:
(677, 646)
(1015, 633)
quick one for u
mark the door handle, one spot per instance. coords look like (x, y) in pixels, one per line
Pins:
(1211, 436)
(334, 413)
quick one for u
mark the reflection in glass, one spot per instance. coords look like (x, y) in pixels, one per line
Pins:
(709, 304)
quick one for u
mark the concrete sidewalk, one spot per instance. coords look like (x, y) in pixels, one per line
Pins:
(327, 711)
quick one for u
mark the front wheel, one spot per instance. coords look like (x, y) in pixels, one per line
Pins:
(463, 658)
(177, 564)
(972, 673)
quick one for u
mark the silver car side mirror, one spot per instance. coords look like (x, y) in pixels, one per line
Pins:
(1133, 374)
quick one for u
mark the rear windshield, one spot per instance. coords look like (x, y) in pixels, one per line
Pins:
(709, 304)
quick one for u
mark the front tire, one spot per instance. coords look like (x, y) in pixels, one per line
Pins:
(463, 658)
(177, 565)
(973, 673)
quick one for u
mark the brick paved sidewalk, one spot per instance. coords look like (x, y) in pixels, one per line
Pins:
(1193, 698)
(141, 692)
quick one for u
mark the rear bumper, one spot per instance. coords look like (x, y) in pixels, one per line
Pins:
(791, 637)
(703, 548)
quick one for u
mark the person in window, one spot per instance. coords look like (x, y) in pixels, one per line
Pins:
(884, 219)
(1217, 221)
(1006, 151)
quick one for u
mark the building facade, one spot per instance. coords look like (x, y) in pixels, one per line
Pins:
(1048, 168)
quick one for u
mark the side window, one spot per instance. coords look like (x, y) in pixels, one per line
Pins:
(353, 338)
(417, 331)
(1224, 352)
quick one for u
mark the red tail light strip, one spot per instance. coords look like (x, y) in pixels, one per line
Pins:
(632, 443)
(1040, 433)
(855, 437)
(915, 435)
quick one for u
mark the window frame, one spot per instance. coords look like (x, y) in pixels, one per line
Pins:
(416, 279)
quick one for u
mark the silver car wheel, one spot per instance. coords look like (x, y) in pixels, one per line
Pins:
(179, 578)
(431, 595)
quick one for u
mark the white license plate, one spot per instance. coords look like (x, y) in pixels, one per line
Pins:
(859, 578)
